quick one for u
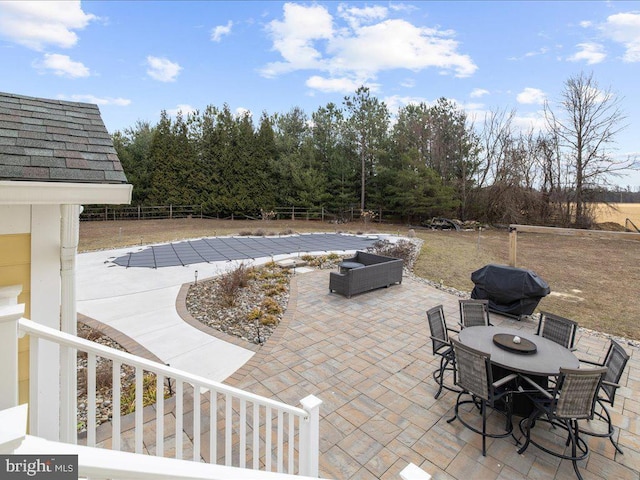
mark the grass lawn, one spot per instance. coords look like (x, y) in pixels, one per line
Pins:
(594, 281)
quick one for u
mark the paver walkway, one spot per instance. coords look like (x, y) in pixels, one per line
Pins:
(141, 302)
(369, 360)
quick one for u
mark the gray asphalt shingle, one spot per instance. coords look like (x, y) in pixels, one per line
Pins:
(55, 140)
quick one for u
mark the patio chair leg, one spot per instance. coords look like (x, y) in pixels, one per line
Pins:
(573, 433)
(611, 430)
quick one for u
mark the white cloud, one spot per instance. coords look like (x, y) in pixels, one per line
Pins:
(293, 38)
(590, 52)
(340, 85)
(241, 112)
(62, 65)
(395, 44)
(478, 92)
(88, 98)
(532, 121)
(36, 24)
(531, 96)
(394, 102)
(183, 108)
(162, 69)
(586, 23)
(357, 16)
(408, 83)
(220, 31)
(308, 38)
(540, 51)
(624, 28)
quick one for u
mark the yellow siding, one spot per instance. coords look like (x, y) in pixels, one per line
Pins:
(15, 269)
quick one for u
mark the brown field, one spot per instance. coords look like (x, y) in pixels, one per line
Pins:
(618, 213)
(593, 280)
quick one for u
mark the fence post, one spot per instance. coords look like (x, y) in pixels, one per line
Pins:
(170, 212)
(10, 313)
(310, 437)
(138, 211)
(322, 215)
(513, 246)
(293, 212)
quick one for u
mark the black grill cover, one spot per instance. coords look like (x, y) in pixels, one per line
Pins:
(510, 290)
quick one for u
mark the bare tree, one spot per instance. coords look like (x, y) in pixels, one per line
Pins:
(585, 127)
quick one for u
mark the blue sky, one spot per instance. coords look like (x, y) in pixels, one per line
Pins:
(136, 58)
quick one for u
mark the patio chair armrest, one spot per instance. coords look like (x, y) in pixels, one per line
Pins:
(590, 362)
(502, 381)
(537, 387)
(453, 330)
(439, 340)
(611, 384)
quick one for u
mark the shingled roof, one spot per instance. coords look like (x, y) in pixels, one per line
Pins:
(55, 141)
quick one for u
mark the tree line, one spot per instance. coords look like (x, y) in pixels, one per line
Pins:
(426, 161)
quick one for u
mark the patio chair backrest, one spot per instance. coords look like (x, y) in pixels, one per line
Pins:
(438, 328)
(578, 391)
(557, 329)
(474, 313)
(615, 361)
(473, 370)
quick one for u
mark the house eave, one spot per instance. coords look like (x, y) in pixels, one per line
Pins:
(63, 193)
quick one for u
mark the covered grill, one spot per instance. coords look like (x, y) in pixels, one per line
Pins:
(510, 290)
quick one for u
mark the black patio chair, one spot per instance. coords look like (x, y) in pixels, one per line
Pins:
(474, 313)
(615, 361)
(441, 347)
(572, 398)
(557, 329)
(475, 378)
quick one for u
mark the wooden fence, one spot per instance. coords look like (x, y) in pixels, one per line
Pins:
(144, 212)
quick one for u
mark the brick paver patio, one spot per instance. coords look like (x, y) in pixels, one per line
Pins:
(369, 360)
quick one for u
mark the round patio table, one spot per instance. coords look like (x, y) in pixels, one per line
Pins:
(546, 361)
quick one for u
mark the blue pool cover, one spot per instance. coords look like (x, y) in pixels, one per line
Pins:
(219, 249)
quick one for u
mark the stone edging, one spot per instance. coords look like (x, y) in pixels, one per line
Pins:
(126, 342)
(260, 350)
(183, 313)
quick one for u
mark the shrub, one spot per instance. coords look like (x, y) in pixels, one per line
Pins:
(231, 282)
(269, 320)
(270, 306)
(401, 249)
(275, 290)
(254, 314)
(149, 393)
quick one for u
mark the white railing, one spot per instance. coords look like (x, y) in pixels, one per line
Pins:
(99, 464)
(244, 430)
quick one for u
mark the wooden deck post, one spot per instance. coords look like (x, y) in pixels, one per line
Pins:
(10, 313)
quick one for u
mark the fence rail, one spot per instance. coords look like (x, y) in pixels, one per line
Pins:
(244, 430)
(146, 212)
